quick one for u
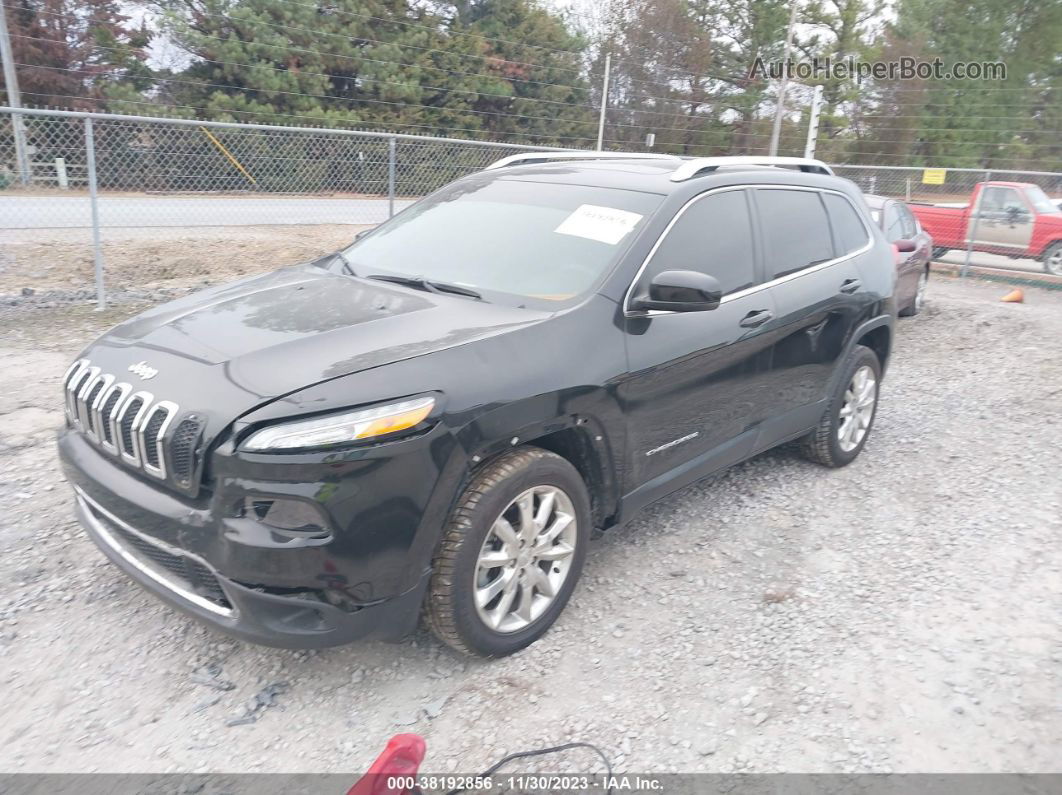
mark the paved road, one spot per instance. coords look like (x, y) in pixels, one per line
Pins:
(993, 261)
(70, 212)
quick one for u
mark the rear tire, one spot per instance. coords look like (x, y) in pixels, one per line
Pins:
(510, 555)
(1053, 259)
(846, 424)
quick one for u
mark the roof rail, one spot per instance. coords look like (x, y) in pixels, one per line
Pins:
(530, 157)
(691, 168)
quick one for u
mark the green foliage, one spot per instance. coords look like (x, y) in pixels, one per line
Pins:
(514, 70)
(381, 64)
(72, 52)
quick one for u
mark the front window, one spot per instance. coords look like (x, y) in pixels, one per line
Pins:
(508, 239)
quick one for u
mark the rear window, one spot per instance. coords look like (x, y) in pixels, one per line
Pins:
(796, 230)
(850, 230)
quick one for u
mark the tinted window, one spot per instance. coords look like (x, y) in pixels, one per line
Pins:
(795, 229)
(850, 230)
(510, 239)
(714, 236)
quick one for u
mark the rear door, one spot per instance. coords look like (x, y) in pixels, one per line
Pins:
(815, 283)
(694, 388)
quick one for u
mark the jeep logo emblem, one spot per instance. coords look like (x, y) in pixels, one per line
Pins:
(143, 370)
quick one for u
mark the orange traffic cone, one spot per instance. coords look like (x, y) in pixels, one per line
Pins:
(1015, 296)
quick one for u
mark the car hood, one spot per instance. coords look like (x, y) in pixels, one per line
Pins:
(258, 339)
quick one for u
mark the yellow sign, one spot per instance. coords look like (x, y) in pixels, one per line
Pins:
(934, 176)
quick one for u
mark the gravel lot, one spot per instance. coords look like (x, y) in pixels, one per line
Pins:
(902, 614)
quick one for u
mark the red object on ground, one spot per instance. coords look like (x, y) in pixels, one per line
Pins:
(401, 758)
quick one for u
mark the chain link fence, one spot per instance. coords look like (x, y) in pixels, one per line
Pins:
(147, 201)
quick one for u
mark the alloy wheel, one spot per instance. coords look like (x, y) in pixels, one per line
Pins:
(525, 559)
(1054, 262)
(858, 409)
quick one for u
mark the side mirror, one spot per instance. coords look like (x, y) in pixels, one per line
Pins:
(906, 246)
(680, 291)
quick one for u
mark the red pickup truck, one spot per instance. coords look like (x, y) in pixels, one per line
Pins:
(1015, 219)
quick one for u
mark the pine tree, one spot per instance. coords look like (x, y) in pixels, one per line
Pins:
(382, 64)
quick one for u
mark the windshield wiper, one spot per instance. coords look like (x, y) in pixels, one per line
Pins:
(342, 257)
(424, 284)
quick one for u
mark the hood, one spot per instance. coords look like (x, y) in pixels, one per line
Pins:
(251, 341)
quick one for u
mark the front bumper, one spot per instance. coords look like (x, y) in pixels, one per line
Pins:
(190, 584)
(365, 577)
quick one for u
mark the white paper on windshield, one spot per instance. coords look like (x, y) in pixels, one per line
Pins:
(603, 224)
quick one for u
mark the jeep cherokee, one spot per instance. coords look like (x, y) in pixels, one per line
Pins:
(435, 419)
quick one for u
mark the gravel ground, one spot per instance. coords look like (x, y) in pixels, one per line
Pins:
(902, 614)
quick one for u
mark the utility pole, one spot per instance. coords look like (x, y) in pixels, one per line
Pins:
(779, 110)
(813, 122)
(604, 103)
(14, 100)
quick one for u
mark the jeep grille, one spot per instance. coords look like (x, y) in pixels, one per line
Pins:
(130, 425)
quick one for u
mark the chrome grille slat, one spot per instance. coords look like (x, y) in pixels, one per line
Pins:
(70, 382)
(159, 469)
(124, 423)
(129, 425)
(93, 390)
(118, 392)
(88, 378)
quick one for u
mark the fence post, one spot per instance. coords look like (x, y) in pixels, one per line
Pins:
(390, 177)
(61, 177)
(97, 251)
(972, 231)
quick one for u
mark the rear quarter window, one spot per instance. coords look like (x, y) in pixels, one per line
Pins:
(851, 233)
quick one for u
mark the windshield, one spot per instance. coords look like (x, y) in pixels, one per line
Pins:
(1040, 201)
(546, 242)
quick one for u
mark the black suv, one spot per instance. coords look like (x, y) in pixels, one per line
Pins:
(438, 417)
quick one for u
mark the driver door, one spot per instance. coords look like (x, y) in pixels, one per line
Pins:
(693, 395)
(1003, 220)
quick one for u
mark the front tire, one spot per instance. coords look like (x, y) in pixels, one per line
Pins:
(511, 554)
(939, 251)
(1053, 259)
(845, 425)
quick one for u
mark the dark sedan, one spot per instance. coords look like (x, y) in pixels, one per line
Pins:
(914, 248)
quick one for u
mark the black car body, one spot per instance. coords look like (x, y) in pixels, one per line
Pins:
(914, 250)
(313, 547)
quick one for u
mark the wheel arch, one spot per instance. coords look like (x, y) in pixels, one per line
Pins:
(583, 449)
(583, 426)
(1042, 257)
(876, 334)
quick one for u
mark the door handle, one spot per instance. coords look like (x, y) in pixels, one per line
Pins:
(851, 285)
(757, 318)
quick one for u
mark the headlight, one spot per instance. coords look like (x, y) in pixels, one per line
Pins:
(350, 426)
